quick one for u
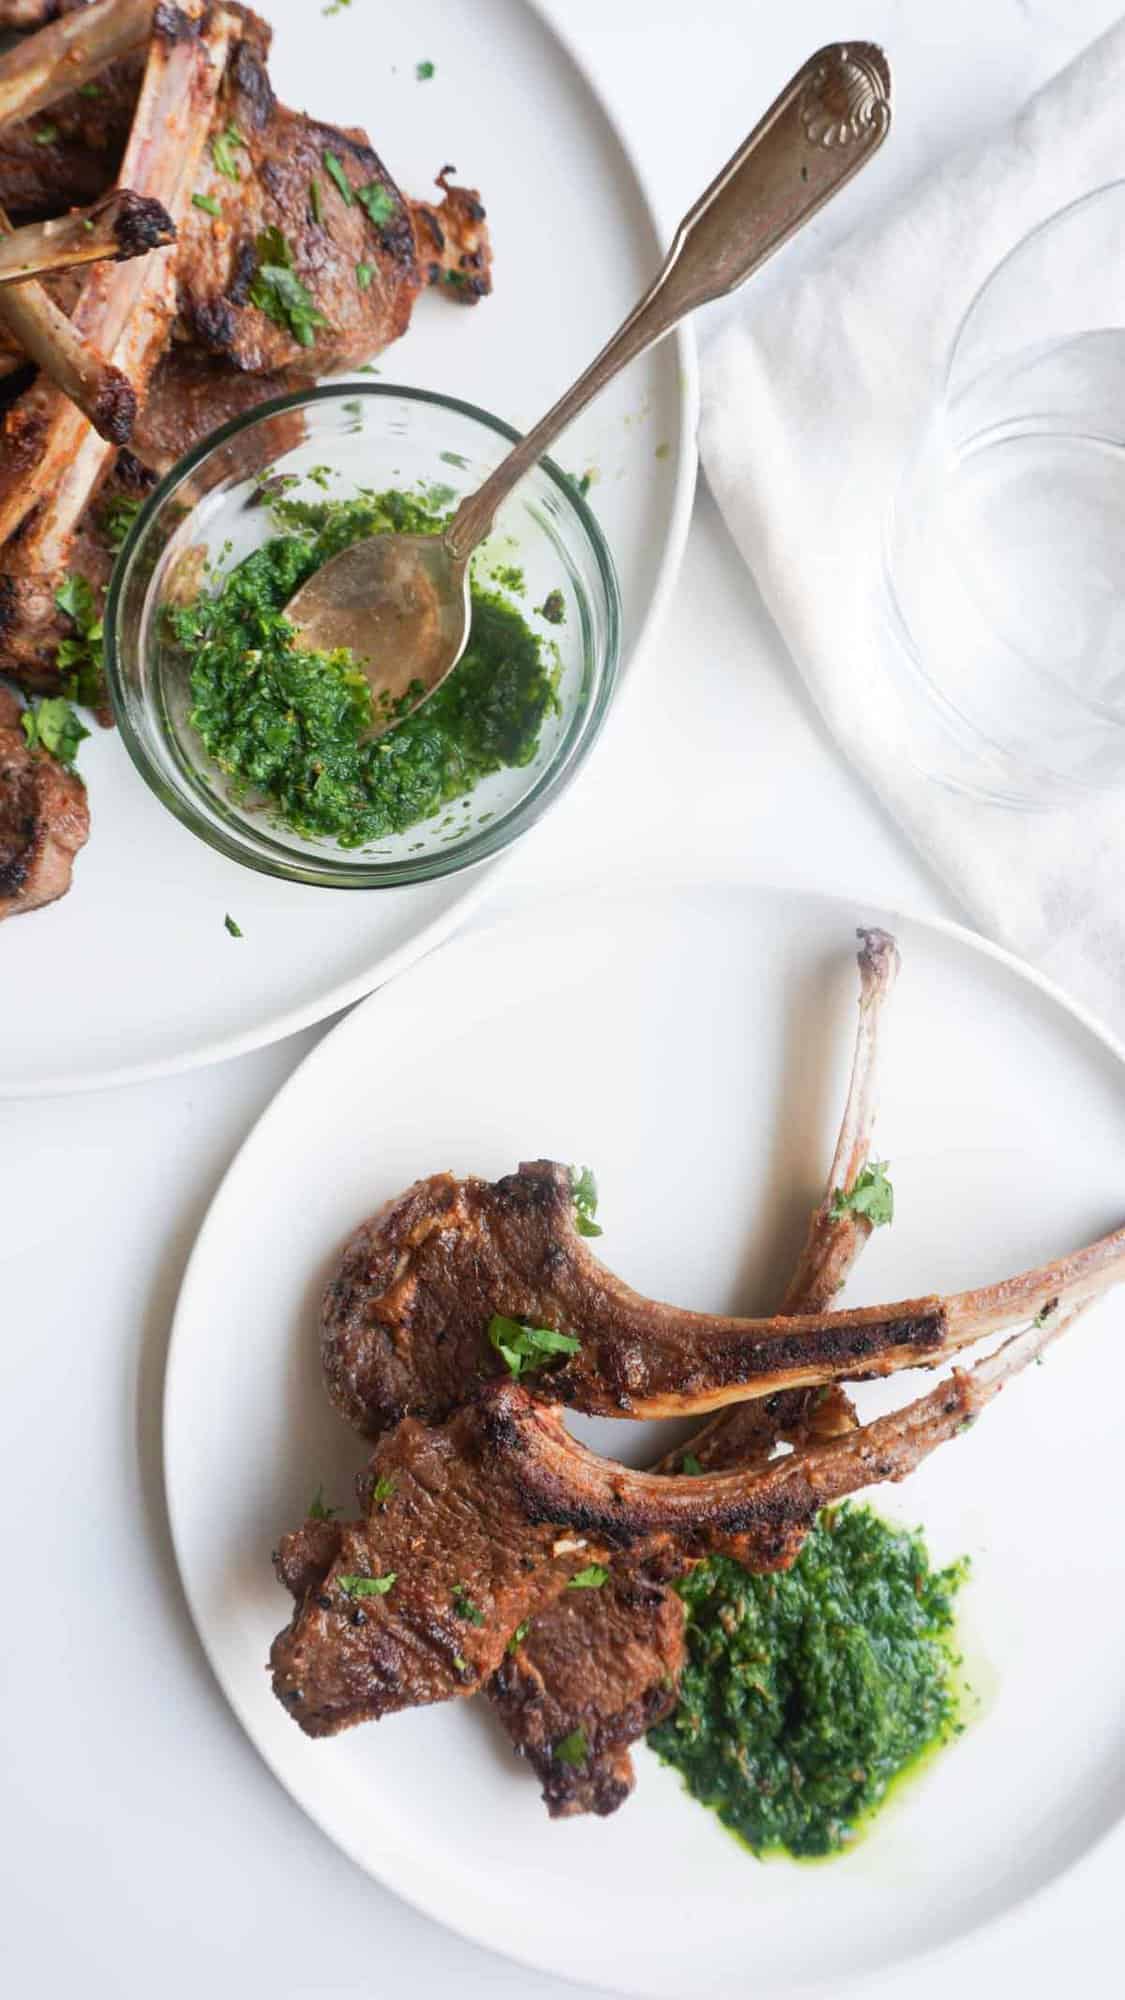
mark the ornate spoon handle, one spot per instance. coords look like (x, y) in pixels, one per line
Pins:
(826, 123)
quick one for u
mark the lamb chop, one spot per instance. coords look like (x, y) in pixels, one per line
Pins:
(279, 192)
(405, 1321)
(43, 818)
(314, 201)
(606, 1662)
(257, 169)
(474, 1526)
(55, 461)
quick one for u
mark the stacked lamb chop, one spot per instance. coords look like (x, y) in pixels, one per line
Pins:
(479, 1510)
(175, 248)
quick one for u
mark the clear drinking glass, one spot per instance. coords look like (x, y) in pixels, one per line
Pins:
(1005, 552)
(339, 440)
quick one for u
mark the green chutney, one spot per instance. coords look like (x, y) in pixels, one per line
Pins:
(291, 726)
(806, 1692)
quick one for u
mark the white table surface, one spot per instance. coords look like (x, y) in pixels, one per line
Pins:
(143, 1846)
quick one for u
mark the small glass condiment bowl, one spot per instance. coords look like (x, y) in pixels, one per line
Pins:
(212, 508)
(1005, 552)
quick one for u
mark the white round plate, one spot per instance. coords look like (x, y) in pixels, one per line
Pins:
(134, 973)
(692, 1043)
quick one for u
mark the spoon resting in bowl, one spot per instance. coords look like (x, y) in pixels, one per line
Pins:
(400, 603)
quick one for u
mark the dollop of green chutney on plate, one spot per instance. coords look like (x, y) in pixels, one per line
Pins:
(809, 1690)
(291, 726)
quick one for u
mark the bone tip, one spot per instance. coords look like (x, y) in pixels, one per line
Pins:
(878, 956)
(141, 224)
(115, 408)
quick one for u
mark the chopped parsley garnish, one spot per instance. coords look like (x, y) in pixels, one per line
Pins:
(423, 71)
(526, 1348)
(206, 202)
(366, 1586)
(461, 1663)
(75, 597)
(573, 1749)
(589, 1579)
(690, 1464)
(117, 518)
(383, 1488)
(807, 1691)
(872, 1196)
(52, 725)
(223, 147)
(80, 658)
(454, 278)
(317, 1509)
(334, 169)
(89, 90)
(46, 135)
(363, 276)
(464, 1607)
(584, 1194)
(315, 209)
(295, 726)
(231, 926)
(336, 7)
(278, 292)
(519, 1635)
(378, 201)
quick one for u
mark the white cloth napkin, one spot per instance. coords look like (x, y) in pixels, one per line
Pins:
(812, 397)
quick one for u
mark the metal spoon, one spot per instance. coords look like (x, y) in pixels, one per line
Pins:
(400, 603)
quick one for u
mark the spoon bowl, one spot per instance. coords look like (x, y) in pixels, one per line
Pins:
(400, 605)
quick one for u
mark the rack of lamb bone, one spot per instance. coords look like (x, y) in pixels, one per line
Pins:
(132, 225)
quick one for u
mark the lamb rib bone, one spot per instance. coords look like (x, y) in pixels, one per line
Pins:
(607, 1661)
(74, 363)
(834, 1239)
(126, 308)
(405, 1319)
(120, 226)
(47, 66)
(501, 1506)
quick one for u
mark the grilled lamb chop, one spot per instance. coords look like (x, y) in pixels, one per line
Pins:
(475, 1526)
(405, 1320)
(323, 198)
(52, 468)
(607, 1662)
(43, 818)
(55, 462)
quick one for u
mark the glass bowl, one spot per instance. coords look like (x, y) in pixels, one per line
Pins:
(350, 436)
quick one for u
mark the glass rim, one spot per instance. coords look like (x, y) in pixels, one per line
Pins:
(348, 873)
(1015, 250)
